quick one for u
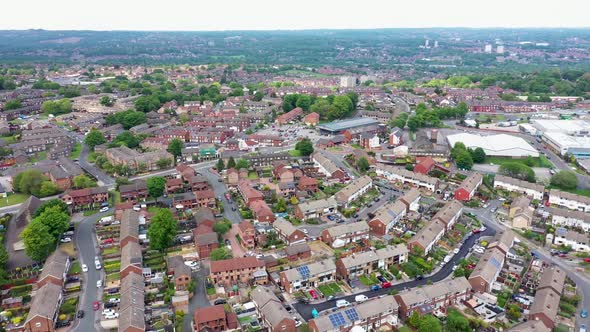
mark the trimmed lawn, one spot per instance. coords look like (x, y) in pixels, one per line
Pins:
(404, 329)
(13, 199)
(88, 213)
(9, 139)
(541, 161)
(368, 280)
(329, 289)
(113, 276)
(76, 151)
(75, 268)
(252, 176)
(295, 153)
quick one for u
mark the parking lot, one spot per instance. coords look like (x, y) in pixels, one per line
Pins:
(291, 133)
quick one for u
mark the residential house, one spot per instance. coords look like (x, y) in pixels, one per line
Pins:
(262, 212)
(205, 243)
(365, 263)
(246, 270)
(199, 183)
(521, 212)
(55, 269)
(135, 191)
(312, 119)
(247, 234)
(545, 306)
(387, 217)
(340, 235)
(503, 241)
(411, 199)
(147, 161)
(468, 187)
(248, 193)
(564, 217)
(271, 310)
(449, 213)
(287, 232)
(44, 309)
(290, 116)
(311, 275)
(425, 300)
(378, 312)
(569, 200)
(487, 270)
(182, 274)
(174, 185)
(369, 141)
(327, 167)
(204, 216)
(427, 236)
(353, 190)
(519, 186)
(425, 165)
(186, 172)
(205, 198)
(214, 319)
(129, 229)
(298, 251)
(577, 241)
(530, 326)
(86, 197)
(232, 177)
(398, 174)
(316, 209)
(131, 259)
(307, 184)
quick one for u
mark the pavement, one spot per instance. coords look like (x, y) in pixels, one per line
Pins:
(199, 299)
(306, 309)
(85, 240)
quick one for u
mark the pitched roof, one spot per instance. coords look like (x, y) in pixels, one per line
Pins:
(235, 264)
(206, 239)
(519, 183)
(370, 256)
(389, 212)
(45, 302)
(355, 186)
(27, 209)
(489, 265)
(553, 277)
(569, 196)
(530, 326)
(471, 182)
(546, 302)
(284, 227)
(129, 224)
(204, 214)
(55, 266)
(319, 204)
(176, 264)
(343, 229)
(317, 268)
(427, 293)
(428, 233)
(208, 314)
(448, 211)
(131, 255)
(296, 249)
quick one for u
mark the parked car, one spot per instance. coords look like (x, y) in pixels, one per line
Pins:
(303, 300)
(114, 300)
(109, 305)
(342, 303)
(108, 311)
(220, 301)
(584, 313)
(288, 308)
(104, 209)
(95, 305)
(114, 315)
(98, 283)
(375, 287)
(386, 284)
(80, 314)
(360, 298)
(419, 277)
(84, 268)
(313, 294)
(381, 278)
(66, 240)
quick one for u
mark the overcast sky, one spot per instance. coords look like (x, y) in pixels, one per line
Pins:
(295, 14)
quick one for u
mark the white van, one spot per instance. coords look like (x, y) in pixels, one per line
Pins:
(360, 298)
(342, 303)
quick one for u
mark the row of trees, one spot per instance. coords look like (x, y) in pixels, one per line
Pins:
(232, 163)
(127, 119)
(57, 107)
(432, 117)
(464, 157)
(329, 108)
(33, 182)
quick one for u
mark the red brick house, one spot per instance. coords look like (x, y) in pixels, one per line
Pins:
(262, 211)
(248, 193)
(181, 273)
(247, 234)
(425, 165)
(205, 243)
(214, 319)
(290, 116)
(86, 197)
(312, 119)
(199, 183)
(186, 172)
(134, 191)
(298, 251)
(205, 198)
(232, 177)
(308, 184)
(468, 187)
(174, 185)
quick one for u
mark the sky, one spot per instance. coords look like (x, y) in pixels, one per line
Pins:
(193, 15)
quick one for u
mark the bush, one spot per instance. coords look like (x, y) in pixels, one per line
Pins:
(517, 170)
(565, 180)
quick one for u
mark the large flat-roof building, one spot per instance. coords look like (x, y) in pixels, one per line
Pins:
(579, 146)
(337, 127)
(568, 127)
(501, 145)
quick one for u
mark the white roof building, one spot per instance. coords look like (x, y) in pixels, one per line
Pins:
(501, 145)
(569, 127)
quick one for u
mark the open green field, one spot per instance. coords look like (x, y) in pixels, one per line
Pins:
(540, 161)
(13, 199)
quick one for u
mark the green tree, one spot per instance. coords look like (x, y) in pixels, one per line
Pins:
(220, 254)
(242, 163)
(94, 138)
(106, 101)
(231, 163)
(513, 311)
(156, 186)
(126, 138)
(12, 104)
(304, 146)
(48, 188)
(281, 205)
(57, 107)
(517, 170)
(162, 229)
(258, 95)
(38, 241)
(164, 163)
(400, 121)
(56, 220)
(304, 101)
(464, 160)
(127, 119)
(362, 164)
(51, 203)
(414, 320)
(565, 180)
(83, 181)
(456, 322)
(220, 165)
(478, 155)
(3, 258)
(413, 123)
(429, 323)
(222, 227)
(175, 147)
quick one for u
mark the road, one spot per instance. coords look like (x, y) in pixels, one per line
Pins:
(103, 178)
(85, 240)
(220, 190)
(306, 309)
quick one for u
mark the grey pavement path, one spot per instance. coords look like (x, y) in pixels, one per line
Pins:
(199, 299)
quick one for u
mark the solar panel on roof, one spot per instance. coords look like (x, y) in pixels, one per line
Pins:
(304, 271)
(337, 319)
(495, 263)
(352, 314)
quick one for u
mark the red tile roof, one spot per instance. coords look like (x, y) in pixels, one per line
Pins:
(235, 264)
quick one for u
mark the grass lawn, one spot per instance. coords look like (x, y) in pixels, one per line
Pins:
(9, 139)
(115, 196)
(76, 151)
(404, 329)
(252, 176)
(368, 280)
(13, 199)
(541, 161)
(210, 291)
(295, 153)
(89, 213)
(113, 276)
(329, 289)
(75, 268)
